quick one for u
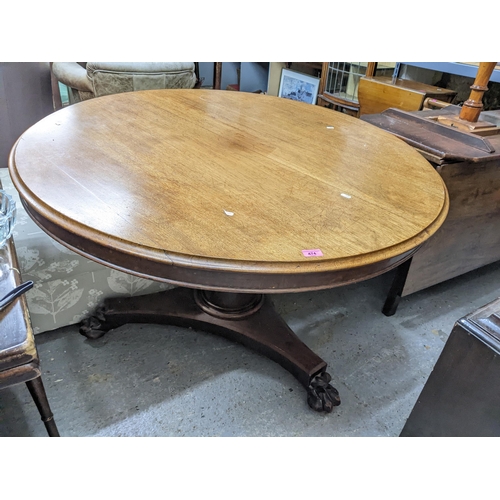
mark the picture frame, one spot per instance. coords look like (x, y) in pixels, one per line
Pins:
(298, 86)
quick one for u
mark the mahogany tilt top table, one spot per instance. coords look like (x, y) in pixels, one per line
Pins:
(232, 196)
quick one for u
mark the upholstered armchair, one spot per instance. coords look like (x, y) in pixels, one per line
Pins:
(94, 79)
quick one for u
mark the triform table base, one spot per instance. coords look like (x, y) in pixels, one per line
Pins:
(243, 317)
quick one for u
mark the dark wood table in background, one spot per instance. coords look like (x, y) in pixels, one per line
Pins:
(232, 196)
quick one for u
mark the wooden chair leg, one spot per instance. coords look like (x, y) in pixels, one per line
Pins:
(37, 392)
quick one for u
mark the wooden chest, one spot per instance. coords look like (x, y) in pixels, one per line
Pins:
(470, 167)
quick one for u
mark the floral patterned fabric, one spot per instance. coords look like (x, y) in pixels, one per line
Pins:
(67, 287)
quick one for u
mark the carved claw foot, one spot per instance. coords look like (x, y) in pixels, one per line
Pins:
(94, 326)
(321, 396)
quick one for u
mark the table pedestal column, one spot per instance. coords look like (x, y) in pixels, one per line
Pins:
(246, 318)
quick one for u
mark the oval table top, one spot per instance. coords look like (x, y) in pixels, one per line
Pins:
(227, 190)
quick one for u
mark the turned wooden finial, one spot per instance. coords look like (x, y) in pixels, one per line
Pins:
(473, 106)
(468, 119)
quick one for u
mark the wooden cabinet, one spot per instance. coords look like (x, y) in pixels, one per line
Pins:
(461, 396)
(470, 168)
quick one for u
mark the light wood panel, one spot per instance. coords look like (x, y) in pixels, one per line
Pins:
(380, 93)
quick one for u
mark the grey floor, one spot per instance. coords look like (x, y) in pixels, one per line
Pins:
(152, 380)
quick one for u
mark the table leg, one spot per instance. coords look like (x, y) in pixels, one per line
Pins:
(246, 318)
(396, 290)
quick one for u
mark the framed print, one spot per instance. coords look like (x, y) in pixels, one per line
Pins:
(298, 87)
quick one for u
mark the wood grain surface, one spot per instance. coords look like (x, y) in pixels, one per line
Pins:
(166, 181)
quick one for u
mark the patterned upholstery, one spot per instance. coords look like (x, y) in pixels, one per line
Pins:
(94, 79)
(67, 286)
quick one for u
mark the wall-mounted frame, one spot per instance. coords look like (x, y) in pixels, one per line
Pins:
(298, 86)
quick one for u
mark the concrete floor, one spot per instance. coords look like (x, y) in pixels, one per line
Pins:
(153, 380)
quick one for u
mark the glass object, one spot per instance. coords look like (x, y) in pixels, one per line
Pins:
(7, 217)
